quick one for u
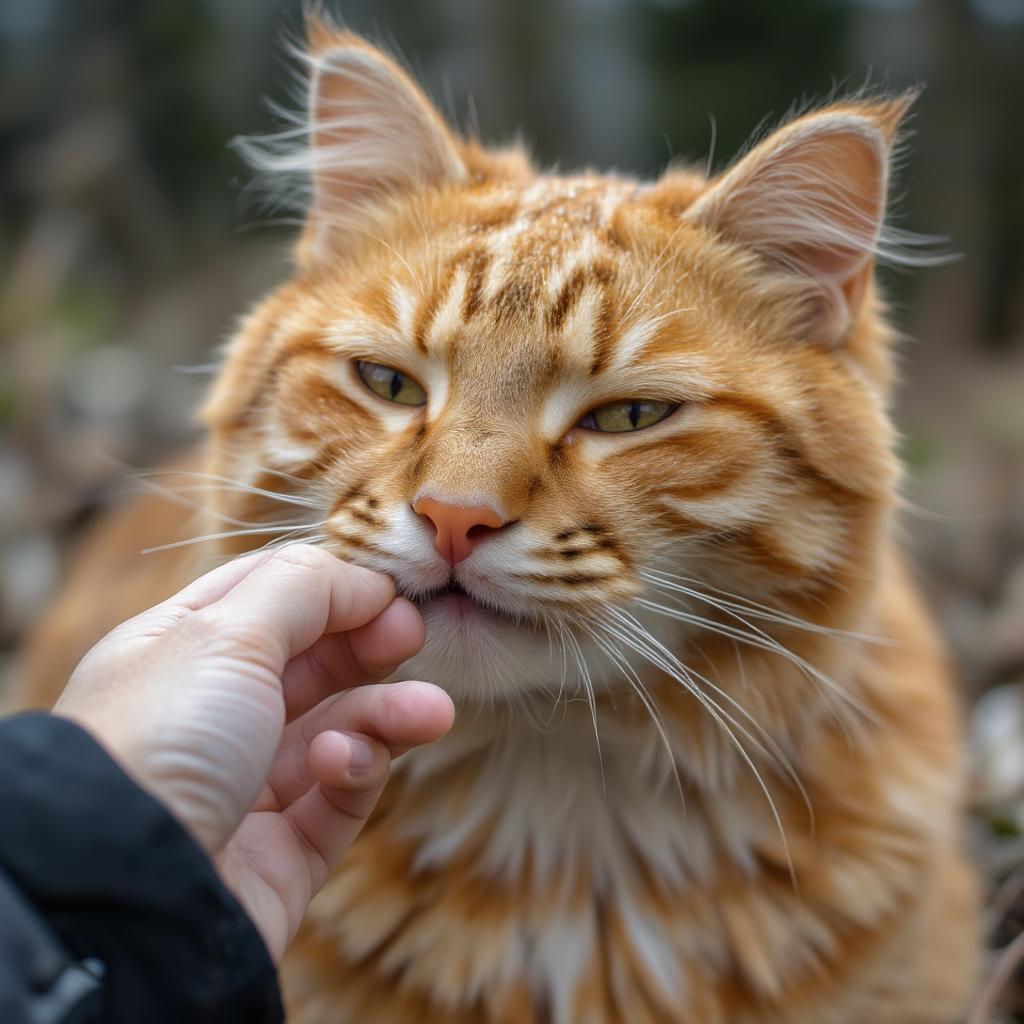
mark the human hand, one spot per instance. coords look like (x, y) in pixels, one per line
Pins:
(223, 702)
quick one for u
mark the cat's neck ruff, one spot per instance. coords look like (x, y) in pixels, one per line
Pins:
(552, 797)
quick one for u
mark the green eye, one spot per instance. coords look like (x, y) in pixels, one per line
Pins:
(631, 414)
(391, 384)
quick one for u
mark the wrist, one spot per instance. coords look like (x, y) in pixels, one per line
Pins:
(164, 775)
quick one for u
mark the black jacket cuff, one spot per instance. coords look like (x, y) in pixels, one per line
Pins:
(114, 874)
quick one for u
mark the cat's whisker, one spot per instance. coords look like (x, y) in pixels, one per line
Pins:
(751, 636)
(766, 744)
(642, 645)
(291, 528)
(763, 741)
(838, 701)
(759, 638)
(249, 463)
(233, 485)
(148, 480)
(546, 623)
(560, 697)
(734, 604)
(588, 687)
(617, 659)
(765, 642)
(684, 674)
(275, 544)
(176, 495)
(754, 609)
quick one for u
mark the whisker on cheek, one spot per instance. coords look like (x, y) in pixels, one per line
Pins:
(217, 482)
(636, 683)
(291, 530)
(635, 636)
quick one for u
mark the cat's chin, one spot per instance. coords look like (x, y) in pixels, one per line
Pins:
(478, 653)
(486, 655)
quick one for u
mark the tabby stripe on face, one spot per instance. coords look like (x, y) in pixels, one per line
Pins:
(346, 503)
(515, 296)
(360, 544)
(765, 552)
(788, 445)
(598, 275)
(575, 579)
(602, 334)
(364, 517)
(428, 307)
(567, 297)
(706, 452)
(474, 260)
(478, 263)
(310, 415)
(309, 345)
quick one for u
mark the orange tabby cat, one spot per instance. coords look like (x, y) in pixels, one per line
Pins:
(626, 444)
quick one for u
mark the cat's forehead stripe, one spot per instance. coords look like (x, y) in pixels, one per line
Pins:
(631, 343)
(403, 305)
(546, 268)
(450, 313)
(547, 264)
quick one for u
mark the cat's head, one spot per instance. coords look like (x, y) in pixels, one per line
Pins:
(546, 404)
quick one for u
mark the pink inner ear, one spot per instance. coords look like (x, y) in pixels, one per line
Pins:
(840, 178)
(373, 132)
(811, 199)
(336, 100)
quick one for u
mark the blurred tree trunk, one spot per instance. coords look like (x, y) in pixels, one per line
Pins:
(958, 133)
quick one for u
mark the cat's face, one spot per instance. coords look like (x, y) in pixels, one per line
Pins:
(546, 406)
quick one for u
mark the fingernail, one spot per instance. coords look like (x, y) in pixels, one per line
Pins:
(362, 755)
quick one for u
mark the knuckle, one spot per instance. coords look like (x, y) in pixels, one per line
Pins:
(303, 556)
(211, 629)
(203, 625)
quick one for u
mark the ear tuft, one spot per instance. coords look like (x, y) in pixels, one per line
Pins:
(810, 200)
(369, 135)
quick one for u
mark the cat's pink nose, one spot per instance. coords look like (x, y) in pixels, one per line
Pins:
(458, 528)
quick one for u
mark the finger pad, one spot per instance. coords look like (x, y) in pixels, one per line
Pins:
(389, 639)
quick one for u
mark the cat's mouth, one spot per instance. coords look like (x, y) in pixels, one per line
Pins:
(453, 598)
(453, 586)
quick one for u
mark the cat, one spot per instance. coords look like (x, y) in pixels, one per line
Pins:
(626, 444)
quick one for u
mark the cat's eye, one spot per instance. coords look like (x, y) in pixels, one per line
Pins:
(391, 384)
(630, 414)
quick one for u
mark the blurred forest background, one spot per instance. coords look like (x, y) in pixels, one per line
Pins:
(128, 247)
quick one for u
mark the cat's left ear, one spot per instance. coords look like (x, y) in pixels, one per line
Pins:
(810, 200)
(373, 135)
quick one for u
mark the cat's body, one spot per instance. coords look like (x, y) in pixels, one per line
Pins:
(707, 766)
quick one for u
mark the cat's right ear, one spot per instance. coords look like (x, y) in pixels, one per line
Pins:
(373, 135)
(810, 201)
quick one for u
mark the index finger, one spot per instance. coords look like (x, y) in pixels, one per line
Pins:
(291, 599)
(341, 660)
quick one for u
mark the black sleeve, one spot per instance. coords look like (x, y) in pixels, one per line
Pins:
(108, 909)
